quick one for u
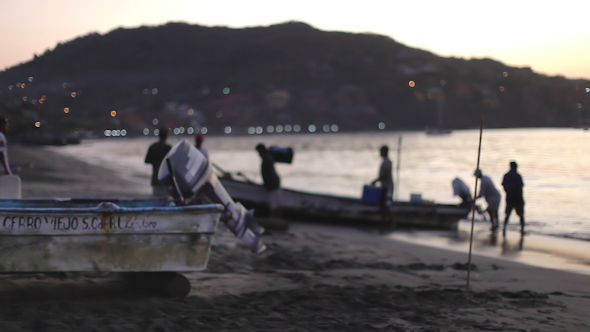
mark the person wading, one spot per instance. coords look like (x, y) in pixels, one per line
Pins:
(492, 196)
(461, 189)
(513, 184)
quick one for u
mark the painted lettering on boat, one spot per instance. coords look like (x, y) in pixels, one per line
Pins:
(67, 223)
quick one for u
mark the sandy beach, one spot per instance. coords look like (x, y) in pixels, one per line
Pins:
(313, 277)
(46, 174)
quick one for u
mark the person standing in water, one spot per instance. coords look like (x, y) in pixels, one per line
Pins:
(492, 196)
(155, 156)
(513, 184)
(386, 180)
(461, 189)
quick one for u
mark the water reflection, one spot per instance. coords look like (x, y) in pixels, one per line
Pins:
(494, 238)
(512, 248)
(484, 241)
(541, 250)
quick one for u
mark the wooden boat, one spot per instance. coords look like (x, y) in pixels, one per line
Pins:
(87, 235)
(310, 206)
(149, 240)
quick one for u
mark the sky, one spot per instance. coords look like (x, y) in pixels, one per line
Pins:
(551, 37)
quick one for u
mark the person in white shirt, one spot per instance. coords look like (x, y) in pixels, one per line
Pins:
(461, 189)
(199, 138)
(492, 196)
(4, 165)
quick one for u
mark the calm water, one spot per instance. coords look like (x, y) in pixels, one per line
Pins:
(554, 164)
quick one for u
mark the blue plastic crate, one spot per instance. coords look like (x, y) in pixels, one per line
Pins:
(371, 194)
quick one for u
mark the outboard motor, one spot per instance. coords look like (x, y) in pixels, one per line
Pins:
(187, 175)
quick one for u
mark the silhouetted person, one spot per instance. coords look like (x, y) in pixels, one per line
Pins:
(271, 180)
(3, 147)
(492, 196)
(155, 155)
(199, 138)
(386, 180)
(513, 184)
(461, 189)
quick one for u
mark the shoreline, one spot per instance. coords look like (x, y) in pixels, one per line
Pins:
(312, 277)
(539, 250)
(49, 174)
(311, 170)
(549, 251)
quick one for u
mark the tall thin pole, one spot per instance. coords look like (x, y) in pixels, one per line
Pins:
(399, 156)
(473, 212)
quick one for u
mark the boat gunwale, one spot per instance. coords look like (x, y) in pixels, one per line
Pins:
(109, 207)
(348, 198)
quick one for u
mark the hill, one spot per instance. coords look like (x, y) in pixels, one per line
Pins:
(290, 73)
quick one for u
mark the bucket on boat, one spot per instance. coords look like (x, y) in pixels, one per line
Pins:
(281, 155)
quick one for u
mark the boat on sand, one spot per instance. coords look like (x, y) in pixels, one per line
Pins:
(90, 235)
(150, 241)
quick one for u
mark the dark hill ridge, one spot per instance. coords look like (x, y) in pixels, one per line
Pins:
(285, 73)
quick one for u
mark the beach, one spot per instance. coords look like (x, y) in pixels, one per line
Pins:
(46, 174)
(313, 277)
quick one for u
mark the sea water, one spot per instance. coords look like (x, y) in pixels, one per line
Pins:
(554, 164)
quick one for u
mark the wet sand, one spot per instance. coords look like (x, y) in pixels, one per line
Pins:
(311, 278)
(46, 174)
(534, 249)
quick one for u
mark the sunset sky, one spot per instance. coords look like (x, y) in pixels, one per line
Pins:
(551, 37)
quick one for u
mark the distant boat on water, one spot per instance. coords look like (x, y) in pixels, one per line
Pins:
(437, 131)
(581, 127)
(439, 96)
(582, 119)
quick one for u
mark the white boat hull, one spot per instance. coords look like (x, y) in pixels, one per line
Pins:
(85, 236)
